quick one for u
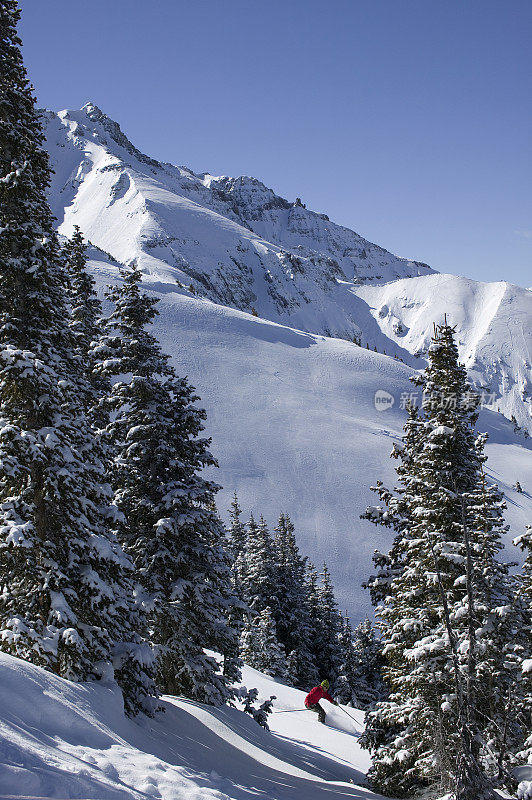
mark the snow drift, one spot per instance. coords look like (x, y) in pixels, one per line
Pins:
(64, 740)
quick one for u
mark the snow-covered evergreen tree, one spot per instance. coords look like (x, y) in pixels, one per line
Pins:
(66, 601)
(327, 626)
(169, 526)
(259, 583)
(236, 544)
(85, 308)
(295, 629)
(237, 530)
(260, 647)
(359, 682)
(85, 322)
(312, 602)
(444, 602)
(311, 587)
(346, 682)
(525, 591)
(235, 540)
(501, 639)
(369, 686)
(525, 543)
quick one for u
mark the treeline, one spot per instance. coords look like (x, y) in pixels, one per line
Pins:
(291, 627)
(455, 622)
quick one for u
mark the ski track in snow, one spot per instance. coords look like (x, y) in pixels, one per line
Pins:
(64, 740)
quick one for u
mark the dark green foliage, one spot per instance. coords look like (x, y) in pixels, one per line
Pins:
(360, 682)
(327, 626)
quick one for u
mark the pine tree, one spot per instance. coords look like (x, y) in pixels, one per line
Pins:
(501, 638)
(85, 322)
(229, 609)
(329, 625)
(235, 547)
(525, 543)
(169, 526)
(260, 647)
(311, 587)
(66, 598)
(360, 682)
(369, 686)
(259, 583)
(444, 602)
(86, 309)
(292, 619)
(237, 529)
(312, 608)
(346, 682)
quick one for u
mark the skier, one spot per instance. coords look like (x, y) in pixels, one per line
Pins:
(315, 695)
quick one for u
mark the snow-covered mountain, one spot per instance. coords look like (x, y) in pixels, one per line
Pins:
(494, 329)
(233, 240)
(237, 243)
(290, 398)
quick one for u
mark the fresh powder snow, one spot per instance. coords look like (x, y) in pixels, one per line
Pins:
(65, 740)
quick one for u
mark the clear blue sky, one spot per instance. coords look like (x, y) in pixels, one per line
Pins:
(407, 120)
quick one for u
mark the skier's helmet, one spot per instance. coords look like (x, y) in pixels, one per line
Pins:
(325, 684)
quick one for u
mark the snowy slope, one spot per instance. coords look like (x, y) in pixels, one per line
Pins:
(64, 740)
(295, 427)
(234, 241)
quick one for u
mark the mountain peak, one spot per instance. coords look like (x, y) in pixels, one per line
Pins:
(114, 130)
(91, 109)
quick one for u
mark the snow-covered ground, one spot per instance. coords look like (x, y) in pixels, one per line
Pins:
(64, 740)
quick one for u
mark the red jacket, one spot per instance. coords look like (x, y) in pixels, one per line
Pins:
(316, 694)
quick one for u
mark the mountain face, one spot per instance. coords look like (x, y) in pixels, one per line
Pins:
(232, 241)
(260, 300)
(235, 242)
